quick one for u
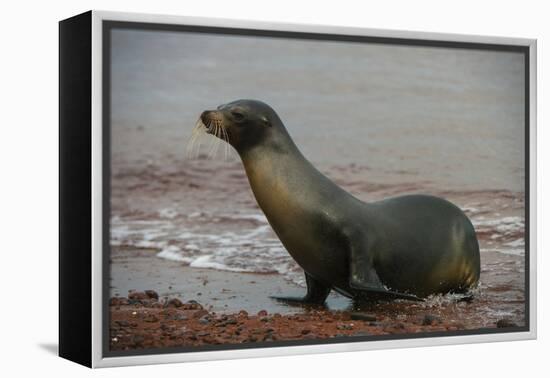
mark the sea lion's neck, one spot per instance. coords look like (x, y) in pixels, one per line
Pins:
(272, 161)
(274, 169)
(283, 181)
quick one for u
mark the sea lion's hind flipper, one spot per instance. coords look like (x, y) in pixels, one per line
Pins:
(317, 293)
(384, 294)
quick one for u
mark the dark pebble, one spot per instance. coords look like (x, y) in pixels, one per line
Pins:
(147, 302)
(231, 321)
(174, 302)
(152, 294)
(117, 301)
(344, 327)
(192, 305)
(430, 320)
(137, 295)
(362, 316)
(151, 319)
(123, 323)
(190, 335)
(137, 339)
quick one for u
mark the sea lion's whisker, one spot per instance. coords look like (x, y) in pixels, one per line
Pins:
(203, 130)
(214, 128)
(218, 135)
(214, 142)
(196, 134)
(196, 138)
(225, 139)
(209, 126)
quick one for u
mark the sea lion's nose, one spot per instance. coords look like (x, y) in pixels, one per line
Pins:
(206, 115)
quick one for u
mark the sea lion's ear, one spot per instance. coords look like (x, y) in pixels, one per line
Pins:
(265, 121)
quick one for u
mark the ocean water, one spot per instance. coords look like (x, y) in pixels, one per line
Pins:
(238, 237)
(451, 116)
(380, 120)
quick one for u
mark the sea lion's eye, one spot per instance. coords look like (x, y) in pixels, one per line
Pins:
(237, 115)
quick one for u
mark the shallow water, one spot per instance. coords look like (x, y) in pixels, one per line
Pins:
(239, 238)
(379, 120)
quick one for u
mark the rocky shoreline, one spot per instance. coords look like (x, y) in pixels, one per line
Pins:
(143, 320)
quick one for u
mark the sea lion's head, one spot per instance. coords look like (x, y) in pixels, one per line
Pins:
(242, 123)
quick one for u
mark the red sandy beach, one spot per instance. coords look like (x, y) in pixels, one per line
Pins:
(179, 306)
(144, 321)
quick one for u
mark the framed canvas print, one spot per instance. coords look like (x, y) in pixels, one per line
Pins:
(233, 189)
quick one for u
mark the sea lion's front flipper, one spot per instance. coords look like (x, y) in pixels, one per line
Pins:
(362, 274)
(317, 293)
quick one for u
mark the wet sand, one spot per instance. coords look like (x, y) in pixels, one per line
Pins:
(220, 291)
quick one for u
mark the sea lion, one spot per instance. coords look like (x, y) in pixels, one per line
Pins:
(404, 247)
